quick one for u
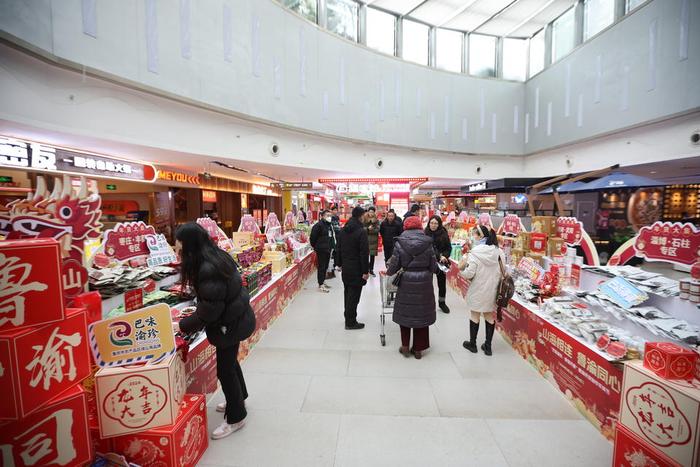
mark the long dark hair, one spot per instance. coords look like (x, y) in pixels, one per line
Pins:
(437, 231)
(198, 249)
(489, 234)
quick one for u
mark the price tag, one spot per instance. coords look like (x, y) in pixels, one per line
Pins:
(133, 300)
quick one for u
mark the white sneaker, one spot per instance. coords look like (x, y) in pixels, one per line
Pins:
(326, 286)
(226, 429)
(323, 289)
(221, 408)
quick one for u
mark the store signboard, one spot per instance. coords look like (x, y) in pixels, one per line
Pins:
(287, 186)
(141, 336)
(263, 190)
(178, 176)
(481, 186)
(570, 229)
(373, 187)
(511, 224)
(671, 242)
(208, 196)
(28, 155)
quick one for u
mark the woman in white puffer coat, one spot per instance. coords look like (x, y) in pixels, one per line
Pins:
(480, 266)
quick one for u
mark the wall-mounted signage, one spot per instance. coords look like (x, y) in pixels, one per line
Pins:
(111, 187)
(176, 176)
(293, 185)
(28, 155)
(477, 186)
(263, 190)
(208, 196)
(373, 187)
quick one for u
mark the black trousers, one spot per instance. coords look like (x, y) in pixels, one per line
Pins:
(228, 370)
(371, 263)
(322, 260)
(388, 252)
(442, 285)
(352, 299)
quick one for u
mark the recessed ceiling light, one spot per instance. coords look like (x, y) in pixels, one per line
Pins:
(653, 172)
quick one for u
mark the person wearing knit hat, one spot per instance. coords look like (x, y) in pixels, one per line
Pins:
(414, 308)
(353, 256)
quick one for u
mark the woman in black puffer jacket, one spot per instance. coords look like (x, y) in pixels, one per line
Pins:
(414, 307)
(443, 250)
(223, 310)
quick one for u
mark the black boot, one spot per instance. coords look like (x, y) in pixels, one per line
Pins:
(486, 347)
(470, 345)
(443, 306)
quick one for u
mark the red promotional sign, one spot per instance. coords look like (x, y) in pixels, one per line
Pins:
(75, 276)
(667, 241)
(511, 224)
(133, 300)
(57, 435)
(30, 283)
(128, 240)
(201, 369)
(591, 382)
(570, 229)
(630, 451)
(40, 363)
(456, 280)
(575, 276)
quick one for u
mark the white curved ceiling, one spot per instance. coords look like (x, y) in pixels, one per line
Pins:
(508, 18)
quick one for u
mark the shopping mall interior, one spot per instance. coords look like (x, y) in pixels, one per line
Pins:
(513, 183)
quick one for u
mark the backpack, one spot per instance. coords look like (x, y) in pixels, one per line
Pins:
(504, 292)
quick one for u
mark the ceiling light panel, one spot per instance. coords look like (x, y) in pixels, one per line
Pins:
(437, 11)
(400, 7)
(477, 14)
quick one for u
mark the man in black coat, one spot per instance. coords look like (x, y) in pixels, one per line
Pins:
(390, 228)
(353, 253)
(322, 240)
(414, 211)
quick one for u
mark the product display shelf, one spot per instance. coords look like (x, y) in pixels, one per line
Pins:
(111, 303)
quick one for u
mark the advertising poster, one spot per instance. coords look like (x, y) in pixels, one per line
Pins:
(141, 336)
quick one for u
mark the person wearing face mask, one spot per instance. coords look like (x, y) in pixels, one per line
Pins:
(443, 249)
(372, 228)
(481, 267)
(322, 240)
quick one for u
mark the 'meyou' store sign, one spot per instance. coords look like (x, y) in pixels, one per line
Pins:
(373, 187)
(29, 155)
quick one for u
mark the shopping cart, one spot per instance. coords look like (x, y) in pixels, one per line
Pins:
(388, 291)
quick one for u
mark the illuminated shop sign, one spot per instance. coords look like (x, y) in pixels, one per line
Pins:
(294, 185)
(477, 186)
(28, 155)
(209, 196)
(372, 187)
(180, 177)
(263, 190)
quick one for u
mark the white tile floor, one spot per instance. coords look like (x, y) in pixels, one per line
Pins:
(323, 396)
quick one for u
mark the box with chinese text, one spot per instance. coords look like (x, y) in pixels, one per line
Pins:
(139, 397)
(630, 451)
(664, 414)
(181, 444)
(670, 361)
(31, 290)
(42, 362)
(56, 435)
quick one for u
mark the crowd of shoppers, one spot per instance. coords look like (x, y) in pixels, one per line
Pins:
(413, 255)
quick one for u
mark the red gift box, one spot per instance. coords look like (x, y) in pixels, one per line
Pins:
(631, 451)
(538, 242)
(92, 302)
(670, 361)
(56, 435)
(181, 444)
(41, 363)
(100, 445)
(31, 291)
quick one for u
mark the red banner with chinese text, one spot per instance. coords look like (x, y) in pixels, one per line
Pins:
(590, 382)
(458, 283)
(511, 224)
(667, 241)
(127, 240)
(570, 229)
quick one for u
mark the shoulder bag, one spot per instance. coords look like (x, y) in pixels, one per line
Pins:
(504, 292)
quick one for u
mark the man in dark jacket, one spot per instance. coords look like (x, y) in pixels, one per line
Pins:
(335, 222)
(414, 211)
(390, 229)
(322, 240)
(353, 253)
